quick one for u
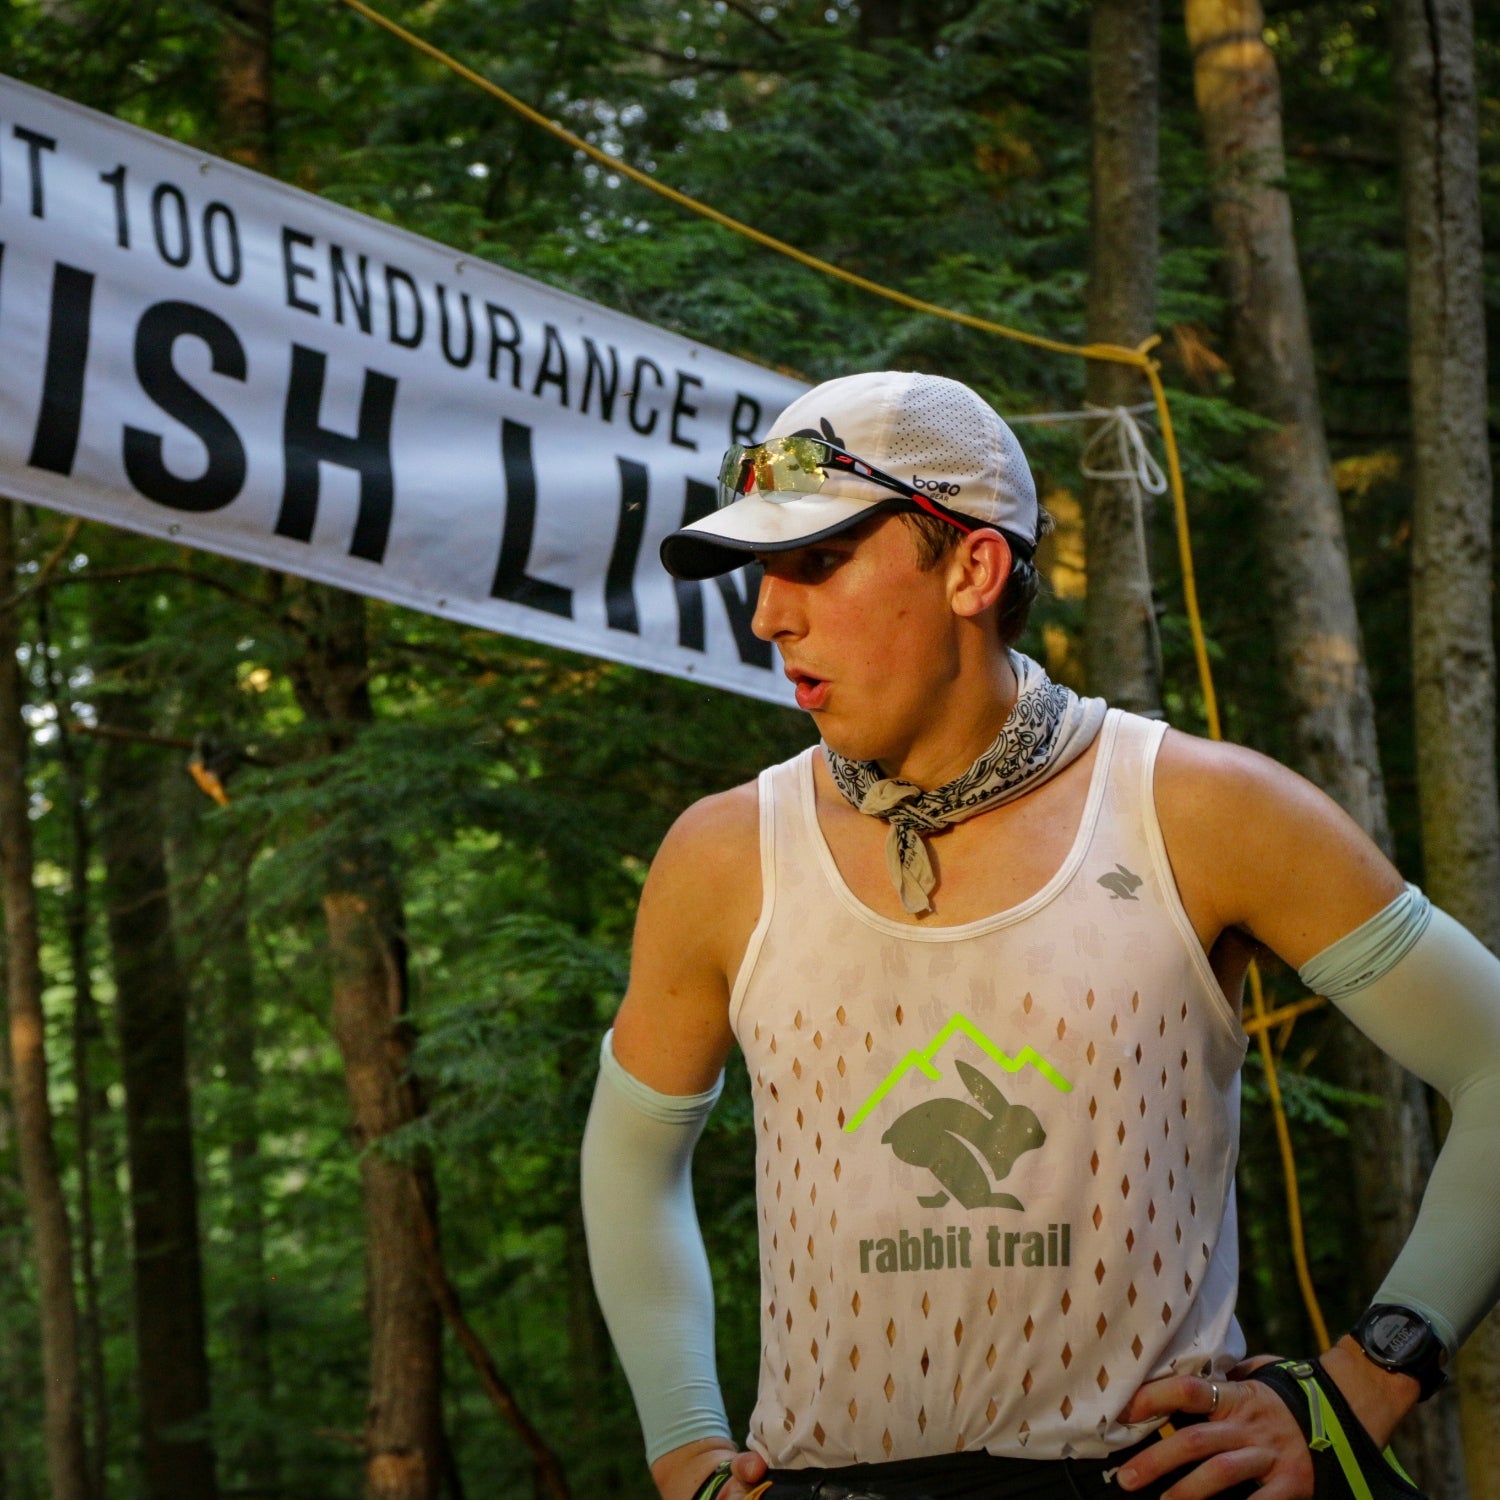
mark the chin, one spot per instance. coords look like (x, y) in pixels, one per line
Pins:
(848, 743)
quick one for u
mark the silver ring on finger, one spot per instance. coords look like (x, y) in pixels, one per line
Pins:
(1213, 1385)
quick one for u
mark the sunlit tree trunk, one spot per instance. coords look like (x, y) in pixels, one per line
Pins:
(151, 1008)
(1120, 651)
(1305, 560)
(367, 954)
(1305, 563)
(1453, 654)
(52, 1241)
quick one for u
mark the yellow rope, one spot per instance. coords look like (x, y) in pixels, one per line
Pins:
(1113, 353)
(1288, 1162)
(1285, 1015)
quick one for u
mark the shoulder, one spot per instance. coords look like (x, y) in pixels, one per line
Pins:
(1255, 846)
(715, 841)
(697, 911)
(1200, 779)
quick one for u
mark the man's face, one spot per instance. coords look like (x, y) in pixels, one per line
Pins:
(867, 636)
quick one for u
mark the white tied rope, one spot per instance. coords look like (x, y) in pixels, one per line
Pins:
(1134, 467)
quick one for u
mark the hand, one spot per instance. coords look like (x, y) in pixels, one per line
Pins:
(1250, 1437)
(679, 1473)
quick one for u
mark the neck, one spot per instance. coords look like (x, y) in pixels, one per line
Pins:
(958, 730)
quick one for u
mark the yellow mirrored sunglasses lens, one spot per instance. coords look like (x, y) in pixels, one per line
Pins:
(781, 467)
(788, 464)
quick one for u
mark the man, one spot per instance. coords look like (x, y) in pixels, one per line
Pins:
(983, 949)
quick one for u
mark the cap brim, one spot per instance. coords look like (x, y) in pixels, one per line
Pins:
(721, 542)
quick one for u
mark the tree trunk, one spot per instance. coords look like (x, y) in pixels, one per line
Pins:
(245, 102)
(1453, 655)
(367, 952)
(1306, 562)
(1121, 656)
(67, 1460)
(151, 1005)
(86, 1033)
(249, 1312)
(1330, 714)
(246, 127)
(19, 1379)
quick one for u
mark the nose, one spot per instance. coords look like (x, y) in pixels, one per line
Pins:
(776, 612)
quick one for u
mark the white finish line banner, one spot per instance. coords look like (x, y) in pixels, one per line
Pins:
(197, 352)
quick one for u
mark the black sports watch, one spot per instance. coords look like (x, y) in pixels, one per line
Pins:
(1396, 1338)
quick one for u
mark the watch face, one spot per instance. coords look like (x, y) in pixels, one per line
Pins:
(1394, 1334)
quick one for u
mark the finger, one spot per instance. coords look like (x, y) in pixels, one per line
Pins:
(749, 1467)
(1222, 1472)
(1160, 1398)
(1185, 1447)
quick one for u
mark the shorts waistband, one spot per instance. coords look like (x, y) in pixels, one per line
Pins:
(957, 1476)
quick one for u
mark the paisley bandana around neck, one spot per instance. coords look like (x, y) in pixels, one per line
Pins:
(1049, 728)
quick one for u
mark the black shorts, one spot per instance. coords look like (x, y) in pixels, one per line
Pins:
(973, 1476)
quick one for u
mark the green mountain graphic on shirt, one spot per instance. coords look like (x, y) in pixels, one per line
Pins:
(967, 1146)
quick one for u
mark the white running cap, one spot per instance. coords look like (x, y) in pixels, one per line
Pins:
(926, 430)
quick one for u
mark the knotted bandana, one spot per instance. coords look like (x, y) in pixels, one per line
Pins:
(1049, 728)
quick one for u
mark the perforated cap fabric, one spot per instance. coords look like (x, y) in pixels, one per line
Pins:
(926, 430)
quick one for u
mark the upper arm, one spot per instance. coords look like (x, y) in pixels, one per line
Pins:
(699, 905)
(1256, 847)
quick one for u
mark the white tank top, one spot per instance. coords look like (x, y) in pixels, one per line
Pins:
(995, 1162)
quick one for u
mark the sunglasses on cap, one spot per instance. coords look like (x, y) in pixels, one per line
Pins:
(783, 468)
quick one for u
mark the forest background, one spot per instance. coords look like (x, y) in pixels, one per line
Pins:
(332, 901)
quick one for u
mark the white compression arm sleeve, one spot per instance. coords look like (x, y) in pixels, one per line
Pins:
(646, 1252)
(1436, 1010)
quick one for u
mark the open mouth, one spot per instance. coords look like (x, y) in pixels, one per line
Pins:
(812, 692)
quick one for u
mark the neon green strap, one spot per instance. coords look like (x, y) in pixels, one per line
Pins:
(716, 1482)
(1325, 1430)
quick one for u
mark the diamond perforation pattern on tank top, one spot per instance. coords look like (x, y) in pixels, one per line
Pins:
(830, 1078)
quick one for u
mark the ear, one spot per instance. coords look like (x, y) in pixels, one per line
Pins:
(979, 568)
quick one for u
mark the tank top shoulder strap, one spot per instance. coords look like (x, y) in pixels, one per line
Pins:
(794, 834)
(1124, 827)
(1137, 739)
(786, 852)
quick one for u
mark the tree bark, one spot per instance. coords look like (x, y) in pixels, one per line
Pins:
(249, 1313)
(52, 1241)
(1330, 714)
(245, 82)
(1121, 656)
(86, 1032)
(151, 1006)
(1453, 653)
(367, 953)
(18, 1380)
